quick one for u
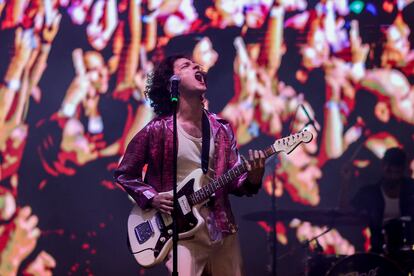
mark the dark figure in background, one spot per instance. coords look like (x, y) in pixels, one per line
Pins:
(215, 247)
(389, 199)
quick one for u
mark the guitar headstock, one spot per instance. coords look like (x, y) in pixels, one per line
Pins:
(289, 143)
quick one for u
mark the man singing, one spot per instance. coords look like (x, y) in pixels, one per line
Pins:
(214, 249)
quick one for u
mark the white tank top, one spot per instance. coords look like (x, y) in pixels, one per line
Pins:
(391, 208)
(189, 153)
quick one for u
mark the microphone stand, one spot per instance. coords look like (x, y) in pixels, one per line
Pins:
(310, 120)
(305, 245)
(273, 220)
(174, 102)
(319, 248)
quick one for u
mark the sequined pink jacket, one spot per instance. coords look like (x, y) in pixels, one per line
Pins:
(153, 145)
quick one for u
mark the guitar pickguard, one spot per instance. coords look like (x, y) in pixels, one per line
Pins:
(186, 220)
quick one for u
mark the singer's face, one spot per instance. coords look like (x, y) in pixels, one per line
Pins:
(191, 75)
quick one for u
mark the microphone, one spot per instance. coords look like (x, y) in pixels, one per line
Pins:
(174, 82)
(310, 120)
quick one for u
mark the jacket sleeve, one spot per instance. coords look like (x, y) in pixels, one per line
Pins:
(129, 172)
(241, 186)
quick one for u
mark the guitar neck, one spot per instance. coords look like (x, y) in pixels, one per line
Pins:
(206, 191)
(286, 144)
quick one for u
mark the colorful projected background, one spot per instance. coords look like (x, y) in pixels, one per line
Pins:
(72, 77)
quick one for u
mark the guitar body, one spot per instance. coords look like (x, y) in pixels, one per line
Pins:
(150, 231)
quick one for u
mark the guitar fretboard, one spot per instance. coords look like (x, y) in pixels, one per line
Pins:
(206, 191)
(286, 144)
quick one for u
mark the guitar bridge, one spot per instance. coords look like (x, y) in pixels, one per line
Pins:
(144, 231)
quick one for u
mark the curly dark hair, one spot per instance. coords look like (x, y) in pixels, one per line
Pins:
(157, 85)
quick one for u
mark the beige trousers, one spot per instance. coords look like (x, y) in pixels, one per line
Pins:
(200, 256)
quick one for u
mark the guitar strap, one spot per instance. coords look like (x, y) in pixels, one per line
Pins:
(205, 143)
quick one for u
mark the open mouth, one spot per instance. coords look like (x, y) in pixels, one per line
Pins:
(199, 76)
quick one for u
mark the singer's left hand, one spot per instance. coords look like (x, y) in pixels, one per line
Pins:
(255, 166)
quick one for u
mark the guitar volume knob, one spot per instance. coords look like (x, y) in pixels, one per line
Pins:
(162, 239)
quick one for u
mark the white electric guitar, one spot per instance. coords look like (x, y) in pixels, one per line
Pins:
(150, 231)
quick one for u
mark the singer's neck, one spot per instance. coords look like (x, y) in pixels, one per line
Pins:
(190, 109)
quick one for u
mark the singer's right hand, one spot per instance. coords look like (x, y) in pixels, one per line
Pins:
(163, 203)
